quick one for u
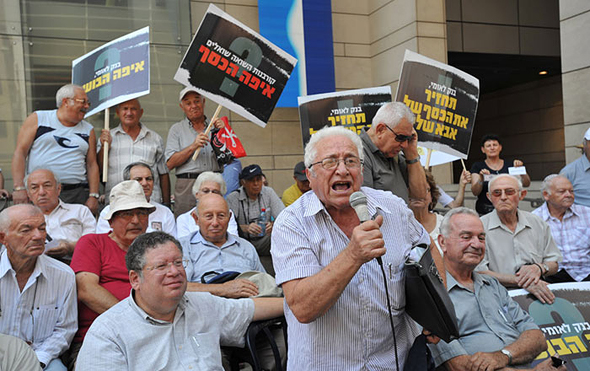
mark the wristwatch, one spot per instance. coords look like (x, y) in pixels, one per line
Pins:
(95, 195)
(19, 188)
(546, 267)
(413, 161)
(507, 353)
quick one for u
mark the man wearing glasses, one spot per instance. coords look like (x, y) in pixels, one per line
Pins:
(520, 249)
(336, 305)
(160, 326)
(60, 140)
(99, 259)
(392, 162)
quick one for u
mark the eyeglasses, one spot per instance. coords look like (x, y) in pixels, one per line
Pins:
(163, 268)
(331, 163)
(498, 192)
(129, 214)
(82, 101)
(401, 138)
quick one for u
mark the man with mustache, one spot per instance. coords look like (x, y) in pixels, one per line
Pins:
(494, 331)
(61, 141)
(570, 228)
(99, 259)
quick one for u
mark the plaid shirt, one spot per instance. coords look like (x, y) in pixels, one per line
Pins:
(572, 236)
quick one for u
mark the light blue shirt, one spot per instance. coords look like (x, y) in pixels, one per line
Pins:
(236, 254)
(578, 172)
(488, 319)
(355, 333)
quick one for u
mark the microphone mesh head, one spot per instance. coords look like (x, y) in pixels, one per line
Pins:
(357, 198)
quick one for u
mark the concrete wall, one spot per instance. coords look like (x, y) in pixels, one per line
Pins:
(574, 17)
(529, 120)
(370, 38)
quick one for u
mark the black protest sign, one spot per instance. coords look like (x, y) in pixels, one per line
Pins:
(352, 109)
(444, 100)
(235, 67)
(115, 72)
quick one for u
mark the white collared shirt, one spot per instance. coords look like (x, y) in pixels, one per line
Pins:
(69, 222)
(46, 310)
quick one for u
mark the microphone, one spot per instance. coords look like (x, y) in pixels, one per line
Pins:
(358, 201)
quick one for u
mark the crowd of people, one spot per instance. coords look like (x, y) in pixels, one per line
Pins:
(147, 283)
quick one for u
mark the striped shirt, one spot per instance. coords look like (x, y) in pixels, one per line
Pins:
(45, 312)
(354, 334)
(148, 147)
(572, 236)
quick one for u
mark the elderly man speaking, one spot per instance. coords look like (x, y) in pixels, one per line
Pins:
(337, 312)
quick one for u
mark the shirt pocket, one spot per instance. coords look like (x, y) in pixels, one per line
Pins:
(45, 318)
(206, 348)
(396, 277)
(580, 236)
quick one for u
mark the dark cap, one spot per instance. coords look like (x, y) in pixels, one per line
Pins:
(250, 172)
(299, 172)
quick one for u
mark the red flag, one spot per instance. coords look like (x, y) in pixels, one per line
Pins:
(231, 140)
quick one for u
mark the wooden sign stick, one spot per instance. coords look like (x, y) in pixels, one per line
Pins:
(219, 107)
(105, 154)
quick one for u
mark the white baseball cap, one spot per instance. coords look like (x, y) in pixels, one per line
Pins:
(185, 91)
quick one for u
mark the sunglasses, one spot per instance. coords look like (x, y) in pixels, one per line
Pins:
(508, 191)
(401, 138)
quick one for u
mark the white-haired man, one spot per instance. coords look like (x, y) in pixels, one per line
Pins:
(494, 331)
(325, 261)
(37, 293)
(184, 138)
(390, 146)
(520, 249)
(66, 223)
(569, 225)
(207, 182)
(60, 140)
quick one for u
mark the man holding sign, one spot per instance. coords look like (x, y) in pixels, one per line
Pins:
(392, 132)
(61, 141)
(184, 138)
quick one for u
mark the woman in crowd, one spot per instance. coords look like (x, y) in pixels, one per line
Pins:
(482, 172)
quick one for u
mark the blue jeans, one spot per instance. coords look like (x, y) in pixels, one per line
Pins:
(55, 365)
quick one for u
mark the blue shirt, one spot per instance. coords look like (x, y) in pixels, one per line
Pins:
(236, 254)
(578, 172)
(488, 319)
